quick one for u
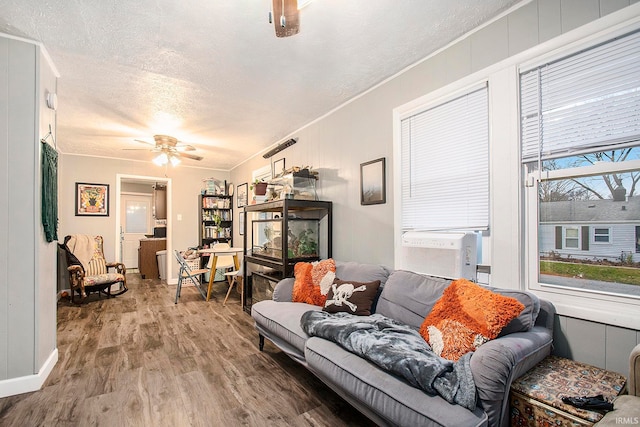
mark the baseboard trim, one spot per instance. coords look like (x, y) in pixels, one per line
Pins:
(29, 383)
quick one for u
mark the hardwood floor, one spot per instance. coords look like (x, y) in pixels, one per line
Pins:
(140, 360)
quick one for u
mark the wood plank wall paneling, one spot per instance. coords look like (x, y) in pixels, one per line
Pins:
(605, 346)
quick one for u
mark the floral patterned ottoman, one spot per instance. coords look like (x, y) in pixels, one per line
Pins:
(536, 397)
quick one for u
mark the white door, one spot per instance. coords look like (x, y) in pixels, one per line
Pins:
(136, 221)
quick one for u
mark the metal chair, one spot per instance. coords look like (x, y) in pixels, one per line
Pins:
(187, 273)
(88, 269)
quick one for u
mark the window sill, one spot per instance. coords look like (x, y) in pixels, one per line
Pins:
(594, 307)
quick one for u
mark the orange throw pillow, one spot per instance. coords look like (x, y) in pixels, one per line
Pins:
(465, 317)
(313, 281)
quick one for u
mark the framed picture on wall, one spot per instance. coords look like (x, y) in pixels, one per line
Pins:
(241, 194)
(278, 167)
(372, 182)
(241, 223)
(92, 199)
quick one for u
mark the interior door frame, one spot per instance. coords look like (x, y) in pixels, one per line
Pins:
(150, 179)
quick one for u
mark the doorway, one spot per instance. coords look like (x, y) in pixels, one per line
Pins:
(134, 216)
(137, 223)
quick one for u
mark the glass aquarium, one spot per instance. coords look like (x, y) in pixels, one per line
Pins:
(302, 238)
(299, 186)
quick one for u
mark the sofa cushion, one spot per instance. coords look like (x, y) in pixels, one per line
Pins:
(313, 281)
(466, 316)
(366, 386)
(408, 297)
(351, 297)
(282, 320)
(361, 272)
(527, 318)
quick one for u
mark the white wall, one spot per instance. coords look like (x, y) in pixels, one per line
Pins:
(27, 262)
(46, 286)
(362, 130)
(186, 183)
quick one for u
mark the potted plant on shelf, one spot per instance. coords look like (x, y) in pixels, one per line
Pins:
(259, 187)
(217, 219)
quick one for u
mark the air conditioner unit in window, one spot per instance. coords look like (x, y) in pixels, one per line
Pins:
(443, 254)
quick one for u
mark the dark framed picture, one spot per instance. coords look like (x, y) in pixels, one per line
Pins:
(92, 199)
(278, 167)
(373, 190)
(241, 223)
(241, 194)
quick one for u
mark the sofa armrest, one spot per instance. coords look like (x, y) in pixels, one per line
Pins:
(283, 292)
(496, 363)
(633, 383)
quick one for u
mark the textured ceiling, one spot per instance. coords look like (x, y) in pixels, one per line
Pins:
(213, 74)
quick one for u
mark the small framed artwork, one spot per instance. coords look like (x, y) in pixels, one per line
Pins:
(241, 223)
(372, 182)
(278, 167)
(241, 194)
(92, 199)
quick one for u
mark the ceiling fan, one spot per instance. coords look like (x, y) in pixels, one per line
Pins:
(169, 149)
(287, 18)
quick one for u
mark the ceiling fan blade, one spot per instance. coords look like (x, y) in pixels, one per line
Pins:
(190, 156)
(286, 17)
(184, 147)
(145, 142)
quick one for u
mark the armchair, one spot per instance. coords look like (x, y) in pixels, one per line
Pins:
(626, 408)
(88, 269)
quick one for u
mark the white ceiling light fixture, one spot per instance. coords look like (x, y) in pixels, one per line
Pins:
(164, 159)
(169, 149)
(161, 159)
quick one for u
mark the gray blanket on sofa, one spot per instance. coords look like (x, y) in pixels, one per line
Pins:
(399, 349)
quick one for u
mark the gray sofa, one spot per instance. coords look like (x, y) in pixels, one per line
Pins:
(384, 398)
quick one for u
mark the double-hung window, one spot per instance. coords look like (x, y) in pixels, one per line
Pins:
(601, 235)
(445, 164)
(580, 135)
(441, 171)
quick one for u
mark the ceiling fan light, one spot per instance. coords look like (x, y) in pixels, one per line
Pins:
(175, 160)
(161, 159)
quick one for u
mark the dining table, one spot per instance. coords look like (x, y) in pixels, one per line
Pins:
(218, 253)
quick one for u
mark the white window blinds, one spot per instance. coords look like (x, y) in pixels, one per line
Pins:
(583, 102)
(445, 165)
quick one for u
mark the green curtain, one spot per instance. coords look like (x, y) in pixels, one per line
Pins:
(50, 192)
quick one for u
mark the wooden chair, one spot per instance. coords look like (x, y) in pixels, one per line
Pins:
(88, 269)
(187, 273)
(235, 277)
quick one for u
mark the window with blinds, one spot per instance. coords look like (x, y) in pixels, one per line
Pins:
(580, 125)
(582, 103)
(445, 165)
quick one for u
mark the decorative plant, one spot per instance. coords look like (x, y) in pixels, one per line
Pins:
(217, 219)
(256, 182)
(260, 186)
(306, 243)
